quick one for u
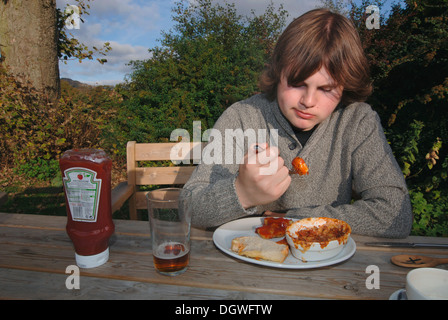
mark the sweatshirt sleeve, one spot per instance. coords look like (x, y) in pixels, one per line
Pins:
(214, 199)
(383, 206)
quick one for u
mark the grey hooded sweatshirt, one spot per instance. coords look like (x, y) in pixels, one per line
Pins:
(347, 155)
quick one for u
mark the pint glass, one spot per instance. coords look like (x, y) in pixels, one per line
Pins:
(170, 220)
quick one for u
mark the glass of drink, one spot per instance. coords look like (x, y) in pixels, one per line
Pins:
(170, 220)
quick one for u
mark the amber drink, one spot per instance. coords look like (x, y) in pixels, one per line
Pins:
(171, 257)
(170, 220)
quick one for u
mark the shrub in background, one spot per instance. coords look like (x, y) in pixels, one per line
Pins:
(33, 133)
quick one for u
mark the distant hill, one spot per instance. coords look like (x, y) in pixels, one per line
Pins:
(75, 83)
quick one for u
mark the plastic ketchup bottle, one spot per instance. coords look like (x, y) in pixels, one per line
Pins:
(86, 175)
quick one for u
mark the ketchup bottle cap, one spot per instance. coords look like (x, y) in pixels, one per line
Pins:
(92, 261)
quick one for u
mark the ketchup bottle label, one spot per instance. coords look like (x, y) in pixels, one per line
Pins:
(83, 193)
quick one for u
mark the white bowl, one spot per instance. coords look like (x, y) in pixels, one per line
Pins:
(427, 284)
(308, 242)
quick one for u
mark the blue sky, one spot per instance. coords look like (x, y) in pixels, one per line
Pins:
(134, 26)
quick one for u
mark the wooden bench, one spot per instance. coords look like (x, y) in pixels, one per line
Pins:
(176, 174)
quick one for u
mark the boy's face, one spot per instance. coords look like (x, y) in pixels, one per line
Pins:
(309, 103)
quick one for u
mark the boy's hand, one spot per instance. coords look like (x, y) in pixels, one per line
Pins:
(263, 177)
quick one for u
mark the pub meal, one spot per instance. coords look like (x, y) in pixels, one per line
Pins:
(273, 227)
(314, 239)
(258, 248)
(310, 239)
(299, 166)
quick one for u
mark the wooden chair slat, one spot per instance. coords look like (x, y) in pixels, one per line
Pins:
(179, 153)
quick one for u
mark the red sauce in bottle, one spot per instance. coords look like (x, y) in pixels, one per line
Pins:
(86, 177)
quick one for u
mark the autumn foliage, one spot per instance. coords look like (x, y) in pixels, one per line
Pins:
(213, 57)
(409, 64)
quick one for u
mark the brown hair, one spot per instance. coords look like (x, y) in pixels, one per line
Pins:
(320, 38)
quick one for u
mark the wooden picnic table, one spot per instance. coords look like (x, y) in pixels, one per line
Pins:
(35, 252)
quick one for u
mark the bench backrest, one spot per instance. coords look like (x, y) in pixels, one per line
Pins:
(171, 175)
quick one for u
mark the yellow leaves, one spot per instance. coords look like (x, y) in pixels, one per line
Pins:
(430, 55)
(392, 119)
(437, 92)
(433, 155)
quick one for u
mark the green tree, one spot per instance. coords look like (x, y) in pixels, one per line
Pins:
(69, 47)
(210, 59)
(408, 59)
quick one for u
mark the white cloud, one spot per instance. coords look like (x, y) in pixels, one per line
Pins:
(112, 72)
(133, 26)
(126, 52)
(129, 26)
(294, 7)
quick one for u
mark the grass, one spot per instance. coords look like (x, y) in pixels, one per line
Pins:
(36, 200)
(33, 196)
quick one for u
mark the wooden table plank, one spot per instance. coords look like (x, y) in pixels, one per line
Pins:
(32, 285)
(329, 282)
(38, 250)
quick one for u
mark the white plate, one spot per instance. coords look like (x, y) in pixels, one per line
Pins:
(223, 236)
